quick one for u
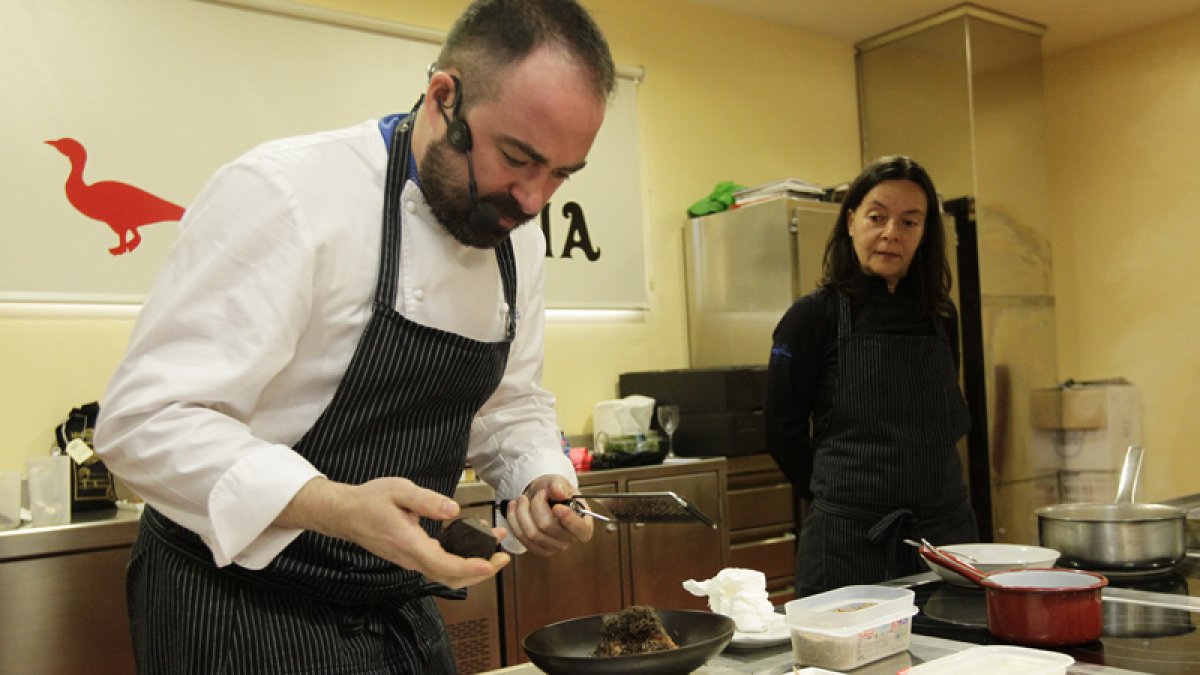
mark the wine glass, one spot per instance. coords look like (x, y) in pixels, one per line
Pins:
(668, 419)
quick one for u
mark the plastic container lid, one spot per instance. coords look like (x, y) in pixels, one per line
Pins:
(855, 630)
(850, 607)
(996, 660)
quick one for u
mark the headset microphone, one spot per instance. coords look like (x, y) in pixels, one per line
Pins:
(483, 216)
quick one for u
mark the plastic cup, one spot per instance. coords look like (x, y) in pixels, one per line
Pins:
(50, 490)
(10, 500)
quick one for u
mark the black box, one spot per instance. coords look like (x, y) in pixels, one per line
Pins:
(724, 434)
(700, 390)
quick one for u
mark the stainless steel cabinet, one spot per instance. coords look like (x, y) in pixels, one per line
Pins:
(744, 268)
(63, 597)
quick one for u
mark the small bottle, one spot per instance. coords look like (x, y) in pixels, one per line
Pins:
(566, 445)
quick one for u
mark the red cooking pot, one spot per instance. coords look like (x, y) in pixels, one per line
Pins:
(1042, 607)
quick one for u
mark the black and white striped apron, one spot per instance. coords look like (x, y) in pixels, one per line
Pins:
(403, 408)
(886, 467)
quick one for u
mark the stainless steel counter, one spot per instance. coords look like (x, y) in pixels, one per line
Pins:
(89, 530)
(64, 595)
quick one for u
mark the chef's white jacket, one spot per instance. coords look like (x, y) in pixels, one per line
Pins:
(255, 315)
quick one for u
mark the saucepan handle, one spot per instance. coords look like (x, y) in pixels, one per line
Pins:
(1130, 470)
(948, 561)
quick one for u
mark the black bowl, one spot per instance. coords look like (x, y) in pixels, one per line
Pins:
(565, 648)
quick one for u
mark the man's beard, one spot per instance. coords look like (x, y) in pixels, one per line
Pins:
(451, 203)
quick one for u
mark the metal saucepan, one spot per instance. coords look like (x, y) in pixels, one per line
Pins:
(1041, 607)
(1117, 539)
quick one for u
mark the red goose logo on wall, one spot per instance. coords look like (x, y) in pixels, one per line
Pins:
(123, 207)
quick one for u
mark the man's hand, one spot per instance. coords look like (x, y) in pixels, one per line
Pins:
(542, 528)
(382, 516)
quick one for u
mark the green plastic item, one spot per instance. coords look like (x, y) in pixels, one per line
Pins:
(720, 199)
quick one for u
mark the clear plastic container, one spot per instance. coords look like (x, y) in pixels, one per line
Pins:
(997, 660)
(850, 626)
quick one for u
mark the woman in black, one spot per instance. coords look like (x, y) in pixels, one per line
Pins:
(862, 407)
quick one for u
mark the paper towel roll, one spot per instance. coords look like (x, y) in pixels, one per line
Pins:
(618, 417)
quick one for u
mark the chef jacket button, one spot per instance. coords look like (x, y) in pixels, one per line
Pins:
(410, 206)
(504, 308)
(418, 294)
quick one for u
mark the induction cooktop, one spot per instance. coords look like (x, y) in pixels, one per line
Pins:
(1151, 639)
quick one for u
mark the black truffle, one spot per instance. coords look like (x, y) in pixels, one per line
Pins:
(468, 538)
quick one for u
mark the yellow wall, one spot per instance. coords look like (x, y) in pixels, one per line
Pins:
(1123, 128)
(713, 106)
(739, 98)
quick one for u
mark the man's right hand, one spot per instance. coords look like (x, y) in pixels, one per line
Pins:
(382, 516)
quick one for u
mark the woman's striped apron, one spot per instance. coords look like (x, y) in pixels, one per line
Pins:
(886, 467)
(403, 408)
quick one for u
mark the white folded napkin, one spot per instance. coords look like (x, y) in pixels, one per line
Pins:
(741, 595)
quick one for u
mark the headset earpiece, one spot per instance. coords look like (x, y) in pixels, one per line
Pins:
(458, 134)
(483, 216)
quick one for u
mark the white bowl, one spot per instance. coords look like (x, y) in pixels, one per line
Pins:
(993, 558)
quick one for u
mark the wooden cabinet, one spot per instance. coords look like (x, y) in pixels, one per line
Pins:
(474, 622)
(623, 565)
(763, 522)
(584, 579)
(662, 557)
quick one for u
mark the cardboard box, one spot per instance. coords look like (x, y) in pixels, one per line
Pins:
(1081, 407)
(1085, 426)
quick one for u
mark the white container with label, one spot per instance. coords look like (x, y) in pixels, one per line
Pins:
(851, 626)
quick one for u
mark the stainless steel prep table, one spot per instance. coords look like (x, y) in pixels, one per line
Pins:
(64, 595)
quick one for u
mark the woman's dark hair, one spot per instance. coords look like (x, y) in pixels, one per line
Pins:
(492, 35)
(928, 276)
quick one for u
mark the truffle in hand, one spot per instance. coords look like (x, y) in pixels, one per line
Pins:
(468, 538)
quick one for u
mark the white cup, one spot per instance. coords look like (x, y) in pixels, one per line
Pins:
(50, 490)
(10, 500)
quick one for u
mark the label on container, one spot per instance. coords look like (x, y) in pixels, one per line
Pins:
(79, 451)
(826, 649)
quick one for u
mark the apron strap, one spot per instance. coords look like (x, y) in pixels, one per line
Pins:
(887, 530)
(399, 154)
(890, 532)
(389, 246)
